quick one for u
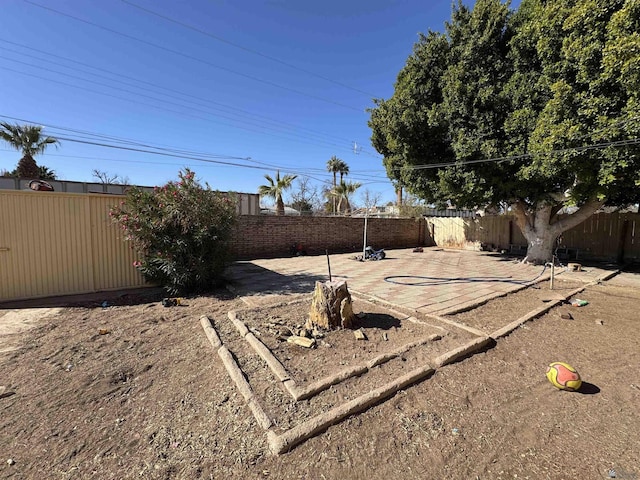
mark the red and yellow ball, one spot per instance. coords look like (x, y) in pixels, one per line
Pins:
(564, 376)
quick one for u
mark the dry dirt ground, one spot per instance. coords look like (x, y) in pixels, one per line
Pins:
(135, 390)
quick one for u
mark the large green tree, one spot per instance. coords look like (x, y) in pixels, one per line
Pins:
(536, 108)
(275, 188)
(30, 140)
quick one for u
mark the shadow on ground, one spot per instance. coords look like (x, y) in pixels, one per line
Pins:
(248, 278)
(588, 389)
(91, 300)
(377, 320)
(140, 296)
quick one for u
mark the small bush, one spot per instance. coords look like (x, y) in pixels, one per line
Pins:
(181, 232)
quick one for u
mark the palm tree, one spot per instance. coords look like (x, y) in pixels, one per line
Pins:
(275, 188)
(342, 192)
(28, 139)
(45, 173)
(333, 165)
(343, 169)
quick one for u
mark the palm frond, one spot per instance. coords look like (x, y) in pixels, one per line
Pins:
(27, 138)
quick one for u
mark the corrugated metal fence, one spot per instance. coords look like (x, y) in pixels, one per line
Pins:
(59, 244)
(55, 243)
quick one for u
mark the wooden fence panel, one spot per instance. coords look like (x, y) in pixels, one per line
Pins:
(596, 237)
(604, 236)
(471, 233)
(450, 231)
(631, 236)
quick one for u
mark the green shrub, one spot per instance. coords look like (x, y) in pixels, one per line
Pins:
(181, 232)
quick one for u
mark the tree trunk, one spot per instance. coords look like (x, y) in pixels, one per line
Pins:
(28, 168)
(334, 189)
(344, 206)
(541, 227)
(347, 206)
(279, 206)
(540, 246)
(331, 306)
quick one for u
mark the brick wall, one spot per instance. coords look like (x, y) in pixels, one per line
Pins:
(262, 236)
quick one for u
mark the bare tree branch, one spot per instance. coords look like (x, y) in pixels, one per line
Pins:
(109, 179)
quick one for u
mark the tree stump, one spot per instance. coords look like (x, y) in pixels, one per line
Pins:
(331, 306)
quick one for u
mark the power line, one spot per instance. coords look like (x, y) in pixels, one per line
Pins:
(597, 146)
(255, 52)
(614, 124)
(82, 157)
(122, 90)
(172, 155)
(121, 140)
(260, 125)
(300, 173)
(103, 159)
(234, 110)
(142, 162)
(191, 57)
(262, 132)
(171, 152)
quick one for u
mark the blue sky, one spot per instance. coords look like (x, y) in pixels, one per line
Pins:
(264, 84)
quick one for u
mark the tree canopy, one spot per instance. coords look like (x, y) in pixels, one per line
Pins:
(536, 108)
(44, 173)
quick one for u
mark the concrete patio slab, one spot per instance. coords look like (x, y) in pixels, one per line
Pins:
(433, 282)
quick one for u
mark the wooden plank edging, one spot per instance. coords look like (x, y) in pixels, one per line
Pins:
(385, 357)
(259, 414)
(326, 382)
(510, 327)
(274, 364)
(462, 351)
(211, 333)
(235, 373)
(240, 326)
(281, 443)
